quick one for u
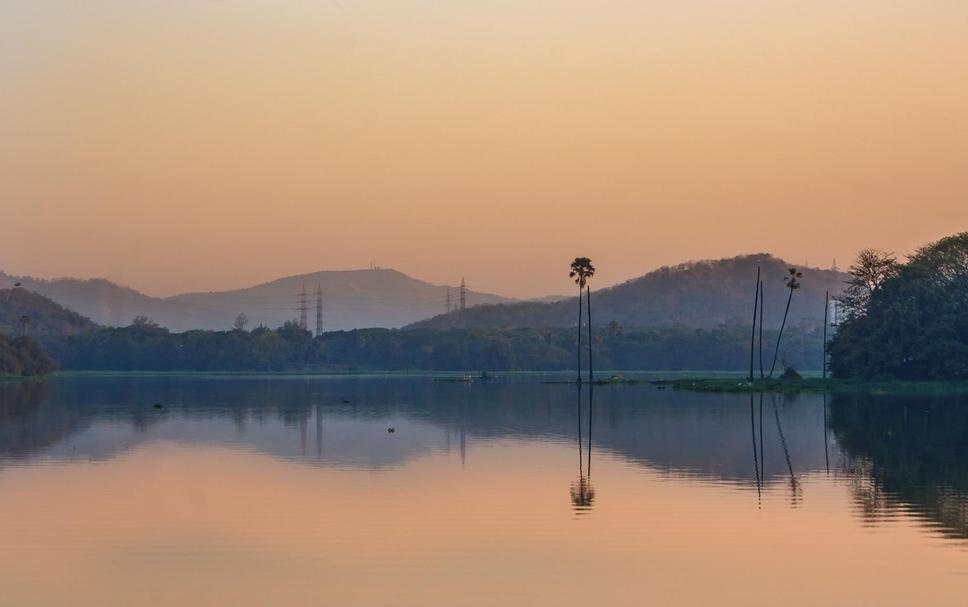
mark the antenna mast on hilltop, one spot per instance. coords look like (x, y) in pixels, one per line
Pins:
(319, 310)
(463, 294)
(303, 308)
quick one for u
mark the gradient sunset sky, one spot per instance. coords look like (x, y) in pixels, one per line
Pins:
(195, 145)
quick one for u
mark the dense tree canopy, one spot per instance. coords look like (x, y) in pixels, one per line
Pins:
(24, 356)
(914, 324)
(144, 346)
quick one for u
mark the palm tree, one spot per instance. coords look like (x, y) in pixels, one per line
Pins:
(793, 283)
(581, 270)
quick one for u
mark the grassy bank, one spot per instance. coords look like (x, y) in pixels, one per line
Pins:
(816, 384)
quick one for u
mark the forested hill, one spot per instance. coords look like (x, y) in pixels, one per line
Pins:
(31, 313)
(696, 294)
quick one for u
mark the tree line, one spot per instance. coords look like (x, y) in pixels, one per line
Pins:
(146, 346)
(24, 356)
(905, 320)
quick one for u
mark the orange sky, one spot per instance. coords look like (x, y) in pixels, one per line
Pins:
(190, 144)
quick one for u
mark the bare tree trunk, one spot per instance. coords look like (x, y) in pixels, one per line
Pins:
(761, 329)
(579, 335)
(776, 352)
(756, 301)
(591, 405)
(826, 308)
(591, 372)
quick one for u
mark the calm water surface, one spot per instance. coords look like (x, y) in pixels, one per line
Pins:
(293, 491)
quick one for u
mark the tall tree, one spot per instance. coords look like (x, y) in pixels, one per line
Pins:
(756, 301)
(867, 274)
(241, 321)
(761, 328)
(793, 283)
(826, 310)
(581, 270)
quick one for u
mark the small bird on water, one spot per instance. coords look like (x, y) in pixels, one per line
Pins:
(391, 430)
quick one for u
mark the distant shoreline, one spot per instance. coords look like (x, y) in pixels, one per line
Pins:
(688, 381)
(818, 385)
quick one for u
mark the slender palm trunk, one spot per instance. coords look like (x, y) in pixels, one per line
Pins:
(579, 335)
(826, 308)
(581, 456)
(776, 352)
(756, 459)
(761, 329)
(591, 405)
(591, 372)
(756, 301)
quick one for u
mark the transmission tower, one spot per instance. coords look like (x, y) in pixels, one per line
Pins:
(463, 294)
(448, 300)
(303, 308)
(319, 310)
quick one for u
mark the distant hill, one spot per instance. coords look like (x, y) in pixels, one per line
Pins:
(351, 299)
(23, 310)
(699, 294)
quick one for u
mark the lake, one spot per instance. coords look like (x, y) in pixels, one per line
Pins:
(405, 491)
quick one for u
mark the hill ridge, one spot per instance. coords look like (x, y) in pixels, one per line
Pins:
(699, 293)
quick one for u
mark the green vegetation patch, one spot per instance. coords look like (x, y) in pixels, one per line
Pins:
(814, 384)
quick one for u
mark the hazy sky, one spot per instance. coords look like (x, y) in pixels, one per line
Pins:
(176, 145)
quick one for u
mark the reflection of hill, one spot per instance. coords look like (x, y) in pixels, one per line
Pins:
(698, 434)
(897, 453)
(915, 450)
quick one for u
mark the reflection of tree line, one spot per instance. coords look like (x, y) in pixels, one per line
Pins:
(906, 451)
(910, 451)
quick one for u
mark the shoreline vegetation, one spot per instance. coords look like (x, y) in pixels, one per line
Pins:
(723, 382)
(818, 385)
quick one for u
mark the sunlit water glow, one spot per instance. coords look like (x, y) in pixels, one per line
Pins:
(285, 491)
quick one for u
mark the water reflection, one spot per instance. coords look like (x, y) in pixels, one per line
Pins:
(796, 491)
(906, 453)
(756, 455)
(582, 492)
(896, 454)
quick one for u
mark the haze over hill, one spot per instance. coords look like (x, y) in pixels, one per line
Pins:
(351, 299)
(23, 311)
(696, 294)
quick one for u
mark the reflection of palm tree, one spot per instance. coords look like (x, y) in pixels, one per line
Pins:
(826, 451)
(794, 483)
(582, 492)
(762, 456)
(756, 460)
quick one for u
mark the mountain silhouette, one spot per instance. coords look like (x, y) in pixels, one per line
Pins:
(698, 294)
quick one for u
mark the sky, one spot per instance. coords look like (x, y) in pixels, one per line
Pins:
(184, 145)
